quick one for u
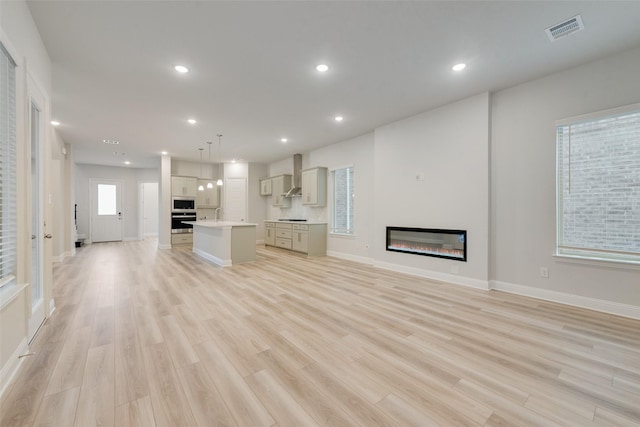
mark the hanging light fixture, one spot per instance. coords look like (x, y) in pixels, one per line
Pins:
(200, 187)
(210, 183)
(219, 182)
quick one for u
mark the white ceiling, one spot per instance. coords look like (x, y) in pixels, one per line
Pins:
(253, 76)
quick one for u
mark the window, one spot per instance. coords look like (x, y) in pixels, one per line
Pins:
(107, 199)
(598, 185)
(8, 225)
(343, 195)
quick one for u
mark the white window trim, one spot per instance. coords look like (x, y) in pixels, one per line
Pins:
(585, 256)
(332, 233)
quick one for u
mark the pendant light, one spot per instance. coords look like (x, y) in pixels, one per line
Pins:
(200, 187)
(209, 184)
(219, 182)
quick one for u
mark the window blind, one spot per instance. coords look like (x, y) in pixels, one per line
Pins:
(8, 224)
(598, 186)
(343, 195)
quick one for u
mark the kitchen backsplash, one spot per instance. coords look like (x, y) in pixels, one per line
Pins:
(297, 210)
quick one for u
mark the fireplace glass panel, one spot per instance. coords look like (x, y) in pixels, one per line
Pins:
(450, 244)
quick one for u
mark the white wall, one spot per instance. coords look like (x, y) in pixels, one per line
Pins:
(131, 177)
(450, 146)
(20, 36)
(357, 152)
(523, 181)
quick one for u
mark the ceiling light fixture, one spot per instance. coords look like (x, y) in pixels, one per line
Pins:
(219, 181)
(459, 67)
(181, 69)
(339, 118)
(127, 162)
(55, 123)
(111, 141)
(209, 184)
(283, 140)
(192, 121)
(322, 68)
(200, 187)
(164, 153)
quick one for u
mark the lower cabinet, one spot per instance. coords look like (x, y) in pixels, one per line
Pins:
(310, 239)
(182, 239)
(269, 234)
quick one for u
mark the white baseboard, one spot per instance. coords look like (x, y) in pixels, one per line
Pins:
(11, 368)
(260, 242)
(350, 257)
(52, 307)
(611, 307)
(435, 275)
(214, 259)
(164, 246)
(131, 239)
(151, 234)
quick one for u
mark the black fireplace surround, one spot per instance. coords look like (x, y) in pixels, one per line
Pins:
(449, 244)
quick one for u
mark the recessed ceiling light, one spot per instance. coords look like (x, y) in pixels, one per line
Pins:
(164, 153)
(322, 67)
(233, 160)
(55, 123)
(283, 139)
(127, 162)
(338, 118)
(459, 67)
(181, 69)
(192, 121)
(111, 141)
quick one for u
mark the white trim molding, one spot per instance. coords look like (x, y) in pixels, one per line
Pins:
(350, 257)
(436, 275)
(164, 246)
(610, 307)
(11, 368)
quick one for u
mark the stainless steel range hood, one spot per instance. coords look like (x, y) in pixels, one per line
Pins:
(296, 189)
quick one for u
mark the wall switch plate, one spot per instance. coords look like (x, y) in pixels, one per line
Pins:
(420, 176)
(544, 272)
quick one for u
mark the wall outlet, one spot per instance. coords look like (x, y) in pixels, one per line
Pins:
(366, 246)
(420, 176)
(544, 272)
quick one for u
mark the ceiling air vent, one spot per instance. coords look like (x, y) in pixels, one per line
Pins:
(565, 28)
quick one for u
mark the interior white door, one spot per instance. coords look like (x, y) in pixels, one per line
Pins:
(235, 201)
(150, 208)
(106, 210)
(36, 124)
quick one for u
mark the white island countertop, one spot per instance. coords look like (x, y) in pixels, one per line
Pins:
(220, 224)
(224, 243)
(295, 222)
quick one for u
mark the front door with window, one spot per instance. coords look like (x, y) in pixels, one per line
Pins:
(106, 211)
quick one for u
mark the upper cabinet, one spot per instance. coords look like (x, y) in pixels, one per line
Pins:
(183, 186)
(265, 187)
(209, 197)
(314, 187)
(279, 185)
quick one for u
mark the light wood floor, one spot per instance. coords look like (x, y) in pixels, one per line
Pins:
(143, 337)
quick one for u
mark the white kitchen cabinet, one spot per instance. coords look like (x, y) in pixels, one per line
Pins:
(279, 185)
(310, 239)
(182, 239)
(209, 197)
(270, 233)
(314, 187)
(265, 187)
(183, 186)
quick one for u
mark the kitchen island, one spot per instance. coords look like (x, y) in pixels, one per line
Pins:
(224, 243)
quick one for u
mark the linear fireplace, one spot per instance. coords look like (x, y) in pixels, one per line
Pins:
(450, 244)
